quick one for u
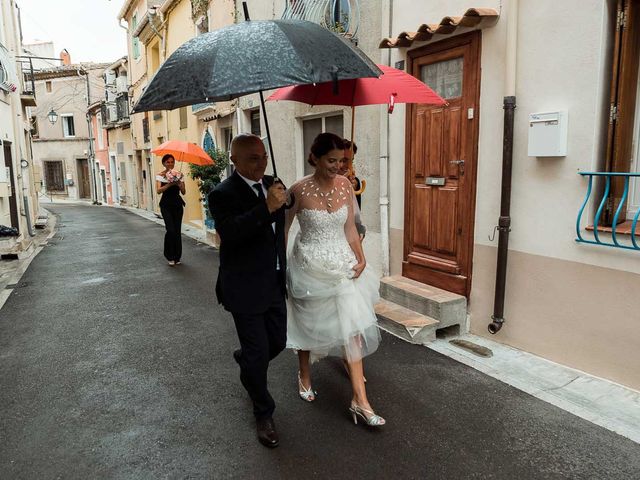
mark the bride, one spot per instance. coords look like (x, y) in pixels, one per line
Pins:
(331, 291)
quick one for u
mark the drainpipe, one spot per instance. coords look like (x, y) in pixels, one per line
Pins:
(384, 162)
(504, 222)
(91, 157)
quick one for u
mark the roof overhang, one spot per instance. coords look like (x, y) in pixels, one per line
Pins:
(473, 19)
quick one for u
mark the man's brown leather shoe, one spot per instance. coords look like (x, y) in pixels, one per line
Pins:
(267, 434)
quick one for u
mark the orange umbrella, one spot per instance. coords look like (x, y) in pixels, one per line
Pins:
(184, 152)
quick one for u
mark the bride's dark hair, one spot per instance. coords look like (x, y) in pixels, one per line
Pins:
(323, 144)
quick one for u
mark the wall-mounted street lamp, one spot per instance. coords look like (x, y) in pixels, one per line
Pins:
(52, 116)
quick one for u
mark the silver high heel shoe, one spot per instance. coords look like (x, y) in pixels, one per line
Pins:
(372, 420)
(306, 394)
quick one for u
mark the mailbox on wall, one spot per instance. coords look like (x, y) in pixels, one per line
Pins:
(548, 134)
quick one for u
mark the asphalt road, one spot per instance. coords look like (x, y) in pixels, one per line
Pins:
(114, 365)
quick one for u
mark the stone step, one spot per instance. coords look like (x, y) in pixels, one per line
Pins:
(445, 307)
(406, 324)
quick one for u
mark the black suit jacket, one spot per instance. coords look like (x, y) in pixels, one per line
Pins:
(247, 278)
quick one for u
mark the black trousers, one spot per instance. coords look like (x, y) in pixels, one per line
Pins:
(172, 216)
(262, 337)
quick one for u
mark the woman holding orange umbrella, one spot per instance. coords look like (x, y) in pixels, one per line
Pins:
(170, 184)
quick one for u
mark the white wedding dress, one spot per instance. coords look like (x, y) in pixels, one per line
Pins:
(329, 312)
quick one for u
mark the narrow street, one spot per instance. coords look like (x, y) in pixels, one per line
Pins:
(114, 365)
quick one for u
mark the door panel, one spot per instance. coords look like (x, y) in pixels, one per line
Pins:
(442, 143)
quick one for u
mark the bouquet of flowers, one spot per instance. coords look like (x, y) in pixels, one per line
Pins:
(172, 176)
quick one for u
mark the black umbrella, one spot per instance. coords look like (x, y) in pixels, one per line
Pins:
(251, 57)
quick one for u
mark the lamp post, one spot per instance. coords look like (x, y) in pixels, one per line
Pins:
(52, 116)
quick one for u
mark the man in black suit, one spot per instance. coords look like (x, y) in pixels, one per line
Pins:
(248, 212)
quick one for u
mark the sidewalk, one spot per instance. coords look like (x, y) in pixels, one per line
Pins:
(597, 400)
(11, 271)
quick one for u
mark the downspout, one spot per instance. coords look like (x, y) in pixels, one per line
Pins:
(504, 222)
(91, 157)
(384, 163)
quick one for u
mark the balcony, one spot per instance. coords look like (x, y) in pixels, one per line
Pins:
(339, 16)
(612, 221)
(27, 84)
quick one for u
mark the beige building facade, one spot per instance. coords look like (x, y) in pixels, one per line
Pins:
(18, 175)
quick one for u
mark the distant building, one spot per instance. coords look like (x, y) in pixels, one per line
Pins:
(62, 145)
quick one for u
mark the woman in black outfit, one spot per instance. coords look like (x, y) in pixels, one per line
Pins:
(172, 208)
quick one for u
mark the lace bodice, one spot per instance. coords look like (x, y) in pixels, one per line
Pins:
(327, 226)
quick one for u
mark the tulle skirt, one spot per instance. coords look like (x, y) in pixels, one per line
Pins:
(329, 312)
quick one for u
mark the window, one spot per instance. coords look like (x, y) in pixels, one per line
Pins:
(227, 136)
(313, 127)
(34, 127)
(255, 122)
(53, 176)
(48, 86)
(183, 118)
(123, 171)
(135, 41)
(68, 127)
(445, 77)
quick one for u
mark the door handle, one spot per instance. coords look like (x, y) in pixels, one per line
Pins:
(460, 164)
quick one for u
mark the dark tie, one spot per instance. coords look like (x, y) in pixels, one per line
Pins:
(258, 187)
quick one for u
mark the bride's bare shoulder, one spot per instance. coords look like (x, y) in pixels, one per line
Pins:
(299, 184)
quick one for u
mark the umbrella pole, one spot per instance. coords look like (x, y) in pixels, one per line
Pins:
(264, 110)
(353, 126)
(266, 124)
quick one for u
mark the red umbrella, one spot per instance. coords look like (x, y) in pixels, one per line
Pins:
(394, 86)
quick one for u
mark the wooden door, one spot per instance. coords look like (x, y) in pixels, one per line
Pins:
(13, 199)
(83, 178)
(441, 149)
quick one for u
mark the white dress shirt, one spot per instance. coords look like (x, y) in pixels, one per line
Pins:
(251, 184)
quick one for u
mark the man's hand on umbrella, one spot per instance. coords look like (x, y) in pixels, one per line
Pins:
(276, 197)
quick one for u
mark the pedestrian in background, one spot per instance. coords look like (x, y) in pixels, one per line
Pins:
(170, 184)
(346, 169)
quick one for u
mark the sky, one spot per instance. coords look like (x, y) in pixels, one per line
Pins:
(88, 29)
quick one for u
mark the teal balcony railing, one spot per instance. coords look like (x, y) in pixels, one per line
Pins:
(618, 227)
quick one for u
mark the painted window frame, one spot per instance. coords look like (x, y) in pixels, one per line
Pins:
(64, 116)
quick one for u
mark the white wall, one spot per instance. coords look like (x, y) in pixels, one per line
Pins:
(562, 64)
